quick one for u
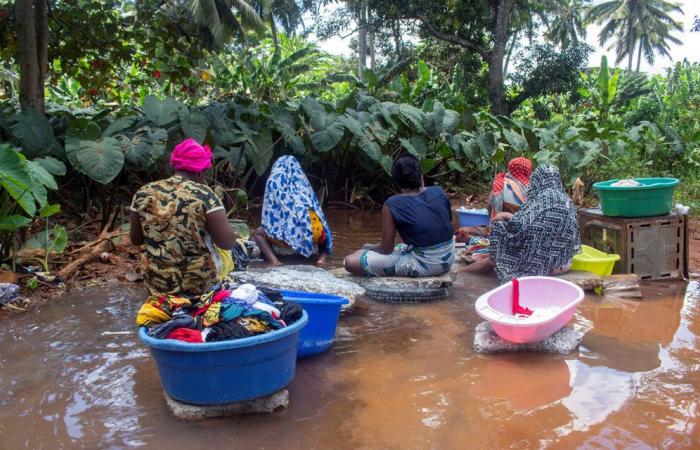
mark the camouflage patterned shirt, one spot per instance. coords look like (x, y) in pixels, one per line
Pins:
(172, 214)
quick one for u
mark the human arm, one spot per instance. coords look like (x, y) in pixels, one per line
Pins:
(386, 246)
(219, 229)
(135, 229)
(506, 216)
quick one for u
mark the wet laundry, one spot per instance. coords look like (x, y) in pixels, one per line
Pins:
(161, 330)
(186, 335)
(226, 311)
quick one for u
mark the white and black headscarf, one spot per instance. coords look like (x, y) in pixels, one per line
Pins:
(543, 235)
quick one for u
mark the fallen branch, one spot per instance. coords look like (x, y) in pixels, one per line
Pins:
(97, 241)
(100, 245)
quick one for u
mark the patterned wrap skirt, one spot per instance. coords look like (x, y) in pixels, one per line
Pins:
(409, 261)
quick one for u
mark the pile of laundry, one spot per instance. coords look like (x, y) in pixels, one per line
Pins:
(626, 183)
(227, 311)
(476, 243)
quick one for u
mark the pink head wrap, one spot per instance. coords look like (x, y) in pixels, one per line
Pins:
(190, 156)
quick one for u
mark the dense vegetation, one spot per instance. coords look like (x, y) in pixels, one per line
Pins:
(97, 113)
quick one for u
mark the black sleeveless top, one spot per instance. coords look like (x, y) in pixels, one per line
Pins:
(422, 220)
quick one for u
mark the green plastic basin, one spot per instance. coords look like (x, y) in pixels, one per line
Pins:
(653, 198)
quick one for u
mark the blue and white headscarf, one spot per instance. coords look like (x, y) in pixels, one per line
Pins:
(285, 214)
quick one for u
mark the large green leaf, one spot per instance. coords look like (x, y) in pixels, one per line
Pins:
(455, 165)
(52, 165)
(144, 147)
(353, 125)
(195, 125)
(14, 222)
(35, 133)
(486, 144)
(49, 210)
(329, 137)
(41, 175)
(516, 140)
(100, 160)
(15, 179)
(259, 151)
(119, 125)
(412, 117)
(315, 111)
(371, 149)
(415, 146)
(53, 240)
(162, 112)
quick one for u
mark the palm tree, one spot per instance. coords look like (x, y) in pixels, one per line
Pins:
(218, 23)
(646, 23)
(568, 25)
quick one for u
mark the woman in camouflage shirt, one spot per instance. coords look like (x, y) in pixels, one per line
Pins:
(172, 219)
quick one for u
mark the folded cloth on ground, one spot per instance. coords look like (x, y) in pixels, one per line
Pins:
(186, 335)
(161, 330)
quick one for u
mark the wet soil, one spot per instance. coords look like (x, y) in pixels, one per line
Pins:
(74, 375)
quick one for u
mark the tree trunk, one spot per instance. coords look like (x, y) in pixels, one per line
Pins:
(496, 56)
(362, 39)
(630, 45)
(273, 33)
(372, 60)
(42, 46)
(396, 31)
(31, 86)
(639, 55)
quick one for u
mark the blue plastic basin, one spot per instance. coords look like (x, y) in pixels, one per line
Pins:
(323, 311)
(472, 219)
(217, 373)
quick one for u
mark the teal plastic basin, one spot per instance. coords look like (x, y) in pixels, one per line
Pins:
(653, 198)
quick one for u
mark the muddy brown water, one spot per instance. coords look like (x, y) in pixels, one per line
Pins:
(74, 375)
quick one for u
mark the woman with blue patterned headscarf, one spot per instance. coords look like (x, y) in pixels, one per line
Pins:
(292, 219)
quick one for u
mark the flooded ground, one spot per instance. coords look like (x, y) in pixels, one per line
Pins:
(73, 374)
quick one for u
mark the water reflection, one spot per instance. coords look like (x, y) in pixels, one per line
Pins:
(398, 376)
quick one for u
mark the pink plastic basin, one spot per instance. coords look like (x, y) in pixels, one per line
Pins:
(535, 293)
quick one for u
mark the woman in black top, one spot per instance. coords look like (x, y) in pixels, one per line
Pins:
(423, 218)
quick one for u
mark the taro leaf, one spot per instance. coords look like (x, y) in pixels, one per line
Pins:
(40, 194)
(427, 165)
(386, 162)
(456, 166)
(438, 117)
(54, 240)
(162, 112)
(328, 138)
(259, 151)
(145, 147)
(236, 157)
(52, 165)
(41, 175)
(516, 140)
(371, 149)
(49, 210)
(387, 110)
(353, 125)
(291, 138)
(84, 130)
(195, 125)
(100, 160)
(315, 111)
(14, 222)
(450, 121)
(34, 132)
(486, 144)
(412, 117)
(119, 125)
(15, 179)
(415, 146)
